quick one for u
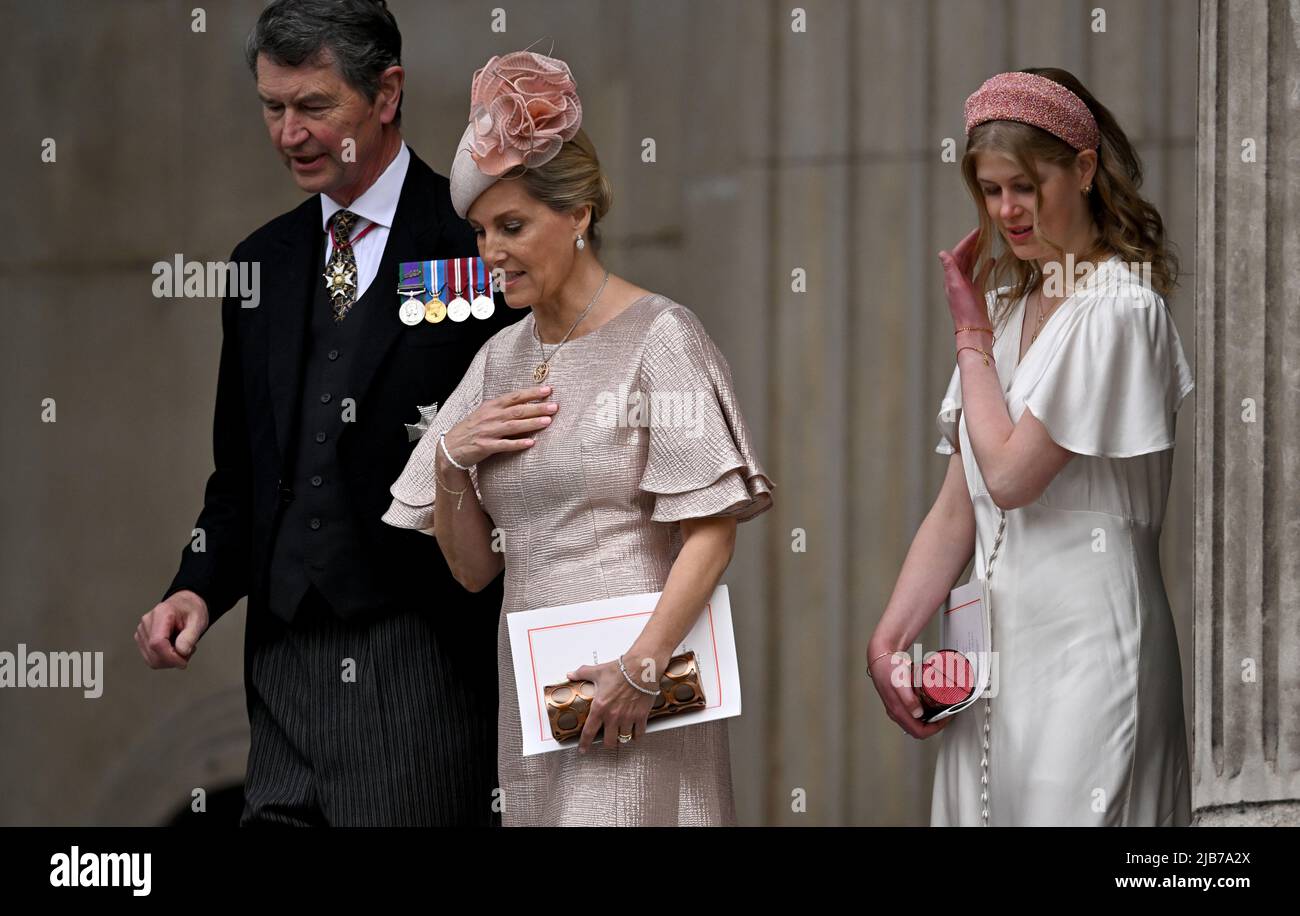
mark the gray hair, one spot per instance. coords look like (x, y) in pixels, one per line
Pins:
(360, 35)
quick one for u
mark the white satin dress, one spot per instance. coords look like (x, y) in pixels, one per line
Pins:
(1086, 727)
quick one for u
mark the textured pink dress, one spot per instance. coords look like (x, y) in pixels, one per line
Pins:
(648, 433)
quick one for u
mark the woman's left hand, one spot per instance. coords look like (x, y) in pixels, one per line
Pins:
(617, 706)
(965, 301)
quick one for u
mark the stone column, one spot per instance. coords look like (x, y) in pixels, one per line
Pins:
(1246, 767)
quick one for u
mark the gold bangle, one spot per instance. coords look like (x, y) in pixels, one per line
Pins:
(959, 330)
(977, 350)
(879, 657)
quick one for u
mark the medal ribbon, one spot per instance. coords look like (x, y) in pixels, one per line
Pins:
(459, 290)
(434, 280)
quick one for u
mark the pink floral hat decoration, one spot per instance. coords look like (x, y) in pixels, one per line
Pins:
(523, 107)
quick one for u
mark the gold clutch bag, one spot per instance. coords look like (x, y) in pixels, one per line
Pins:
(567, 704)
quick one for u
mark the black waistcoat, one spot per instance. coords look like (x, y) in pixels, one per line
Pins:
(317, 542)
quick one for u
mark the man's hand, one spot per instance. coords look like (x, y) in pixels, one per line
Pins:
(184, 612)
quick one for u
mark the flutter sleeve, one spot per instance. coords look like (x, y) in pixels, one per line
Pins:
(700, 462)
(415, 491)
(1115, 379)
(949, 415)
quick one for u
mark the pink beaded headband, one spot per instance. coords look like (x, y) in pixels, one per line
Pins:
(1037, 100)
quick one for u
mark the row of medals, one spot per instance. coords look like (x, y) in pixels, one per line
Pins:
(413, 310)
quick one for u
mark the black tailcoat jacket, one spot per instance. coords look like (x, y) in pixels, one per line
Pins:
(394, 369)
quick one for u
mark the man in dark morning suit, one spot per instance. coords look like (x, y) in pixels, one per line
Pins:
(370, 672)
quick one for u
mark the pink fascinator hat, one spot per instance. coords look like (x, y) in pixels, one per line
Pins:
(523, 107)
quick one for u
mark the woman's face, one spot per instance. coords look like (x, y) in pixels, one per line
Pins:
(1009, 199)
(530, 242)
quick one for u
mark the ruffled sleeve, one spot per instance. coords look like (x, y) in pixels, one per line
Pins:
(699, 462)
(1112, 385)
(415, 490)
(949, 415)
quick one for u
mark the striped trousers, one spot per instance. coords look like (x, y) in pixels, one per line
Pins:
(380, 721)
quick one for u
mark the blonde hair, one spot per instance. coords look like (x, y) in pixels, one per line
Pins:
(573, 178)
(1127, 224)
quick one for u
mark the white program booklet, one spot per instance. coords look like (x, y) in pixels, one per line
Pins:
(547, 643)
(964, 626)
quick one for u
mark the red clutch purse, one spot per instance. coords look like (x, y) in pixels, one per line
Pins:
(947, 678)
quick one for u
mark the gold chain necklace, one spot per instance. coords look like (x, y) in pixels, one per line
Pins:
(539, 374)
(1042, 315)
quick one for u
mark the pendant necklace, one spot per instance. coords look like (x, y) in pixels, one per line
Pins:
(539, 374)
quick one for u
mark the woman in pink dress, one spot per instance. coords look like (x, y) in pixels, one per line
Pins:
(522, 467)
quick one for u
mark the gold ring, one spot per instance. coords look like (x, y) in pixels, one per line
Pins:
(623, 739)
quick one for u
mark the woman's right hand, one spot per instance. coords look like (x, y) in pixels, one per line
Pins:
(503, 424)
(892, 677)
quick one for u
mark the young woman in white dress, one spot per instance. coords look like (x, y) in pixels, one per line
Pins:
(1059, 421)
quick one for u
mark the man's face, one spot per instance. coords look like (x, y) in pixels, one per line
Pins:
(311, 112)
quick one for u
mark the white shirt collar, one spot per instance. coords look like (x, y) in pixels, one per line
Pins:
(378, 202)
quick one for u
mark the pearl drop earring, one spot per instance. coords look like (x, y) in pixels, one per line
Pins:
(580, 243)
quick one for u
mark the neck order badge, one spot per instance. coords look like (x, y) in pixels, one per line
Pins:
(341, 271)
(434, 290)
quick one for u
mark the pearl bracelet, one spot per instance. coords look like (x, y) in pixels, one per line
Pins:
(442, 443)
